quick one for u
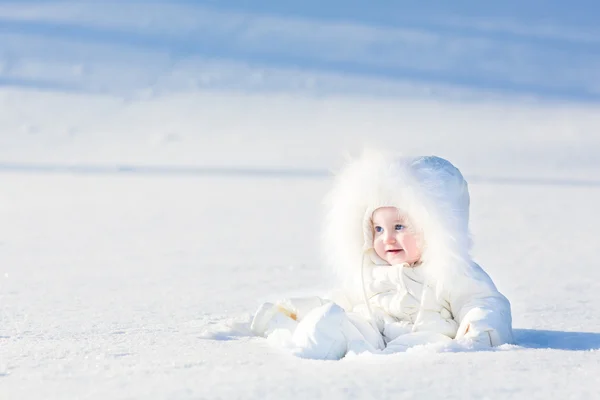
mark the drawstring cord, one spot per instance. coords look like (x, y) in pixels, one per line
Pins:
(362, 280)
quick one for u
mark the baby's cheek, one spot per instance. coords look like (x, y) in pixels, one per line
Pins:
(379, 248)
(377, 245)
(411, 246)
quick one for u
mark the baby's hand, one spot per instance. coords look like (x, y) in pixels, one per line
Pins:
(290, 313)
(270, 316)
(476, 338)
(477, 330)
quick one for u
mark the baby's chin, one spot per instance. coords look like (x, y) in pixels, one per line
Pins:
(400, 259)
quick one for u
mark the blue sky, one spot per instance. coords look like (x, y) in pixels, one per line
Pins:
(541, 49)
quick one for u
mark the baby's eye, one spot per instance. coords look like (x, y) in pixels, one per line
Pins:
(378, 229)
(399, 227)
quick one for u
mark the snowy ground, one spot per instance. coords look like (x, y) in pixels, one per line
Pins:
(139, 230)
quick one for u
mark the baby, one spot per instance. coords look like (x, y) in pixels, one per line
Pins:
(397, 239)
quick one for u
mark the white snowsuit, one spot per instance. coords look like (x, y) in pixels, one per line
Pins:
(444, 296)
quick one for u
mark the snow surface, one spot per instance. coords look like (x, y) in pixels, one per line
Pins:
(142, 221)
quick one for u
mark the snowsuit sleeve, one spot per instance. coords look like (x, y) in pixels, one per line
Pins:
(483, 313)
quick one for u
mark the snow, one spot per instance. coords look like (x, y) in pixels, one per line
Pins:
(144, 218)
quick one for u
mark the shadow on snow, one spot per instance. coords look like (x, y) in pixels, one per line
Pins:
(557, 340)
(524, 338)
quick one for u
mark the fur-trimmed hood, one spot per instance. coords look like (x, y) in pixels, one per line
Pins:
(429, 190)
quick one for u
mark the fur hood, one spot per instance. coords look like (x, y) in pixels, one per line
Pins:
(429, 190)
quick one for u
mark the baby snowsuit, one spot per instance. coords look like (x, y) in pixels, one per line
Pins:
(443, 296)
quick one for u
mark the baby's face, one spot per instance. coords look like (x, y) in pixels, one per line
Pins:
(393, 239)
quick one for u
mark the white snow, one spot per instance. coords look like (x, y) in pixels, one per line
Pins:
(141, 226)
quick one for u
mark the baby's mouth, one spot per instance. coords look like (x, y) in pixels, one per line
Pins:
(395, 251)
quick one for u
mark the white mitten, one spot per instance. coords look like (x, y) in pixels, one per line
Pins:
(477, 339)
(475, 329)
(270, 317)
(299, 307)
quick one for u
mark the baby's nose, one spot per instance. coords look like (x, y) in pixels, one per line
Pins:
(389, 239)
